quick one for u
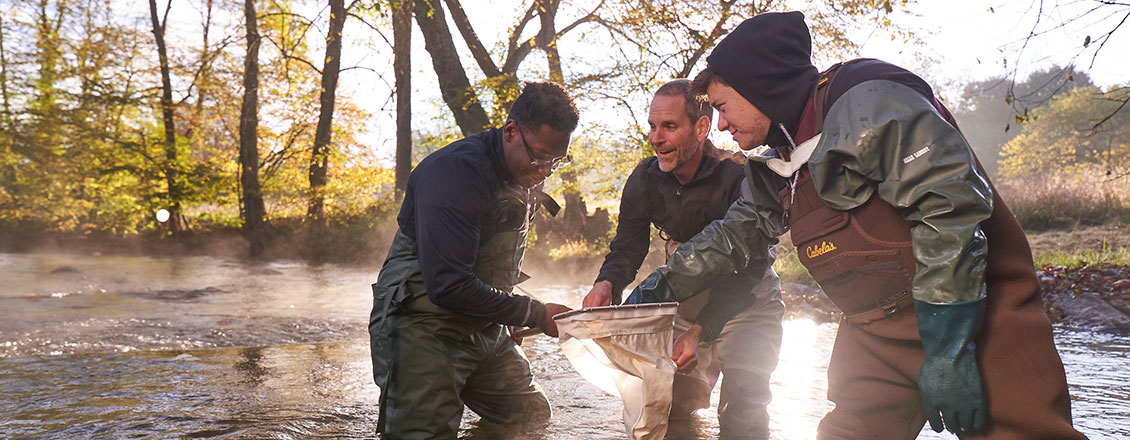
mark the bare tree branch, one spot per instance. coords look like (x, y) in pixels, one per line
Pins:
(700, 49)
(371, 27)
(303, 61)
(1111, 114)
(297, 17)
(591, 16)
(1106, 38)
(204, 66)
(1020, 104)
(463, 24)
(1126, 174)
(512, 41)
(165, 18)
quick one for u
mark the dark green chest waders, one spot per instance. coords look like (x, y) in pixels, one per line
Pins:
(399, 295)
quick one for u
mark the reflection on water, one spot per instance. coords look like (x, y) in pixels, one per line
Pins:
(1098, 370)
(292, 391)
(63, 304)
(120, 347)
(800, 380)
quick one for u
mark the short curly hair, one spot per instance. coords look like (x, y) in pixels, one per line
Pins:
(545, 103)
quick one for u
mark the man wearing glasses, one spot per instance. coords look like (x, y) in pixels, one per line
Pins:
(442, 302)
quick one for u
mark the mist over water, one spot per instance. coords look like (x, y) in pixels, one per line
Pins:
(203, 347)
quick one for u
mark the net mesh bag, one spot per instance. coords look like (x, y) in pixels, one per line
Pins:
(626, 352)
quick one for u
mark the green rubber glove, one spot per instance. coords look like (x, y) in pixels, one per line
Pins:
(949, 381)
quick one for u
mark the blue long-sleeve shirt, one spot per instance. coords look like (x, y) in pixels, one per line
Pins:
(447, 211)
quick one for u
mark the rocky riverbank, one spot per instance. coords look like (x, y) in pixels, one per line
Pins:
(1090, 297)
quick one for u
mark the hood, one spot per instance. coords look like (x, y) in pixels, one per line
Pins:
(768, 60)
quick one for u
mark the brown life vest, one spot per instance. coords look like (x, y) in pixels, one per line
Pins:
(862, 258)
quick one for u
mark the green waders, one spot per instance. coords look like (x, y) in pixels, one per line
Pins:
(747, 350)
(430, 361)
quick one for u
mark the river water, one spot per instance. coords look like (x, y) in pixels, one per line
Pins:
(202, 347)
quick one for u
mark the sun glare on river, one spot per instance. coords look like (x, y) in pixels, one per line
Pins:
(800, 381)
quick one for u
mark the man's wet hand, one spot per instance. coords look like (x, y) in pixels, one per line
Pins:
(685, 352)
(551, 309)
(600, 295)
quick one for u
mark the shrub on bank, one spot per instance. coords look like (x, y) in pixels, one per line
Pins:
(788, 266)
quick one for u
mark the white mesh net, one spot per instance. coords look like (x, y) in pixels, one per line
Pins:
(626, 351)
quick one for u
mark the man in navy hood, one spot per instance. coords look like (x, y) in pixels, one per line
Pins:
(768, 60)
(893, 216)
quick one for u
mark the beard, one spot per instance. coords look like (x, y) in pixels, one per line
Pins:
(678, 157)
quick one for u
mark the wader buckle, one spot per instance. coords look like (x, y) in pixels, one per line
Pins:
(891, 309)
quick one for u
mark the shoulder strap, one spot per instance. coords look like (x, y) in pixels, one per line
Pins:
(820, 96)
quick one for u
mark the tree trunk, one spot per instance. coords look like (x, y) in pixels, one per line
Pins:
(6, 118)
(45, 138)
(204, 63)
(402, 66)
(573, 223)
(318, 158)
(48, 48)
(172, 174)
(547, 39)
(453, 83)
(253, 210)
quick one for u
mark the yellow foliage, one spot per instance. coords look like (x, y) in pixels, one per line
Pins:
(574, 249)
(1062, 136)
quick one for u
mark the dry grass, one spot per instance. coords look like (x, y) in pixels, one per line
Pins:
(1068, 201)
(1082, 246)
(1075, 218)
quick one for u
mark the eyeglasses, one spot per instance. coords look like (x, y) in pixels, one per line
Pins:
(553, 164)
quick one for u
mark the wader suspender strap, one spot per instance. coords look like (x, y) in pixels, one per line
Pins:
(545, 200)
(823, 85)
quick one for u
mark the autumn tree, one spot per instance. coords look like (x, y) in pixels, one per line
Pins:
(78, 154)
(5, 96)
(657, 41)
(984, 111)
(1063, 137)
(37, 139)
(501, 84)
(302, 145)
(650, 43)
(6, 128)
(454, 85)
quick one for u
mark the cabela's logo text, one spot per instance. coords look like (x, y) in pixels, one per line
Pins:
(823, 248)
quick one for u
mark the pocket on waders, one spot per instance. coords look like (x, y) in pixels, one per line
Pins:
(382, 329)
